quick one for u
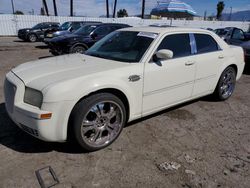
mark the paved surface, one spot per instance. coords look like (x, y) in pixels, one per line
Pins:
(209, 143)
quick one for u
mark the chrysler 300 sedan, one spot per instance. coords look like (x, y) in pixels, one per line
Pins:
(128, 74)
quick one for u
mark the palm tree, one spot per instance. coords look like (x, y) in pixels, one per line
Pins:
(143, 8)
(55, 8)
(107, 8)
(114, 9)
(220, 8)
(71, 7)
(46, 7)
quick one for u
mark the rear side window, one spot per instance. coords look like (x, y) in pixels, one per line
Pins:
(205, 43)
(178, 43)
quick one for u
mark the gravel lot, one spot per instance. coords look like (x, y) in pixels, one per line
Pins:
(209, 142)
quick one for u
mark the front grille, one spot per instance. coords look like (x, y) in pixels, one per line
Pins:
(9, 93)
(29, 130)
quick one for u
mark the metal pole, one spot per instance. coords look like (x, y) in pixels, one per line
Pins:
(143, 8)
(114, 9)
(107, 8)
(46, 7)
(55, 8)
(13, 9)
(230, 15)
(71, 7)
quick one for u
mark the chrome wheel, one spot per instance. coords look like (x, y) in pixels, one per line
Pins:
(102, 123)
(32, 38)
(227, 83)
(79, 49)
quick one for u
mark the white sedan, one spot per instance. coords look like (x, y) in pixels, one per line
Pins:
(129, 74)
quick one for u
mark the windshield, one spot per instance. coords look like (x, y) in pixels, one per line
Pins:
(64, 26)
(85, 30)
(37, 26)
(127, 46)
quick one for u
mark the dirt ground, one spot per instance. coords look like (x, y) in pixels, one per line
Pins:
(199, 144)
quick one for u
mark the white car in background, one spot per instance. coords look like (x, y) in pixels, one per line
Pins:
(129, 74)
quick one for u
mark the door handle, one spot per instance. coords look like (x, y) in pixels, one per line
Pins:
(189, 63)
(221, 57)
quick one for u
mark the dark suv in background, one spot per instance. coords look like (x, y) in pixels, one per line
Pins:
(36, 33)
(65, 28)
(82, 39)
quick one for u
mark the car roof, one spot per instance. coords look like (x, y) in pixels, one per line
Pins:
(101, 24)
(162, 30)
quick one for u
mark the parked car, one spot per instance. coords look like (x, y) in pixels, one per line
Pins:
(236, 36)
(82, 39)
(221, 32)
(36, 33)
(246, 47)
(129, 74)
(66, 28)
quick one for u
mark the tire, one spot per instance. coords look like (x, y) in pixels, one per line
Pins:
(32, 37)
(226, 84)
(78, 49)
(98, 120)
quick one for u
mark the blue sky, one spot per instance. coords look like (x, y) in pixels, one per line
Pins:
(97, 7)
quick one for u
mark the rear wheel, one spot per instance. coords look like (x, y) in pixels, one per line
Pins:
(226, 84)
(78, 49)
(32, 37)
(98, 120)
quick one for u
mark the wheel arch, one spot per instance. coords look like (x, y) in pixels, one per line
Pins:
(118, 93)
(79, 44)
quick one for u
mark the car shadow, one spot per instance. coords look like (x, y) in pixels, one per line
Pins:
(21, 41)
(13, 137)
(43, 57)
(42, 47)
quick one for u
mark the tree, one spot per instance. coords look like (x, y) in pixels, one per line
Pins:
(18, 12)
(220, 8)
(122, 13)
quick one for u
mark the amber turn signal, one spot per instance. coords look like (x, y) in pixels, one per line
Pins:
(46, 116)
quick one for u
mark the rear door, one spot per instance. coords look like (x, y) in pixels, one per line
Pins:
(209, 58)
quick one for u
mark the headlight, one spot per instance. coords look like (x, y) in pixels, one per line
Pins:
(33, 97)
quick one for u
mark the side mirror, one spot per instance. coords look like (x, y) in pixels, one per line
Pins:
(164, 54)
(93, 35)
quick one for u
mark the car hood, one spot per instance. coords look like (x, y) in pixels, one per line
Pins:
(60, 33)
(41, 73)
(65, 37)
(25, 29)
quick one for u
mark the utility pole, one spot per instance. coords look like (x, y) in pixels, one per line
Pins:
(143, 8)
(230, 15)
(71, 7)
(13, 9)
(55, 8)
(205, 15)
(107, 8)
(114, 9)
(46, 7)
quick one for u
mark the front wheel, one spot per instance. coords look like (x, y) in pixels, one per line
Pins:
(32, 37)
(226, 84)
(98, 120)
(78, 49)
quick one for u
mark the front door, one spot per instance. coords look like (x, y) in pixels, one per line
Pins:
(171, 81)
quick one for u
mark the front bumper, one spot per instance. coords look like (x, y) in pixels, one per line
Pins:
(28, 117)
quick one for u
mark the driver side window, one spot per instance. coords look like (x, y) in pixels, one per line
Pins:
(179, 44)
